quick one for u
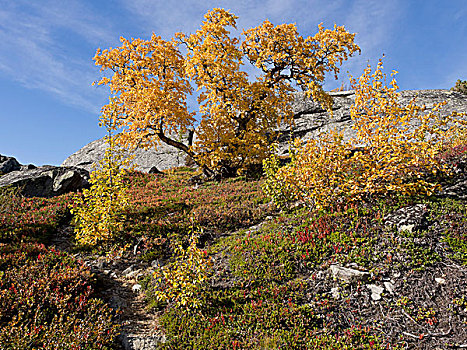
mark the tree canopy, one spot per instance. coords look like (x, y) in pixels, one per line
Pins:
(238, 108)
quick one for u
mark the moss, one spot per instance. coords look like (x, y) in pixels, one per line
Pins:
(420, 254)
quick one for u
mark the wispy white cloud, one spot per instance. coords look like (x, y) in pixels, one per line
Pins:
(36, 54)
(166, 18)
(374, 21)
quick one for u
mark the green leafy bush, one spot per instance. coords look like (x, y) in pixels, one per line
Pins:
(269, 316)
(46, 302)
(277, 255)
(452, 216)
(181, 282)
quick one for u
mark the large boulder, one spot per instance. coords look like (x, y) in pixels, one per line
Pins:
(46, 181)
(309, 121)
(151, 160)
(8, 164)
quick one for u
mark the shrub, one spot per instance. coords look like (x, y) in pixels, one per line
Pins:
(180, 282)
(46, 302)
(400, 151)
(99, 211)
(163, 204)
(270, 316)
(461, 86)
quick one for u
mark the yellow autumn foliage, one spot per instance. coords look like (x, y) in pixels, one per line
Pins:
(98, 212)
(396, 150)
(238, 108)
(180, 282)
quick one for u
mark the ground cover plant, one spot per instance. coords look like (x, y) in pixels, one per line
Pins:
(152, 215)
(46, 302)
(345, 247)
(269, 286)
(33, 219)
(167, 206)
(47, 297)
(276, 287)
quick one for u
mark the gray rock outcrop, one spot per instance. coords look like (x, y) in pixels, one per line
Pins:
(458, 190)
(136, 342)
(46, 181)
(411, 218)
(310, 120)
(347, 274)
(151, 160)
(8, 164)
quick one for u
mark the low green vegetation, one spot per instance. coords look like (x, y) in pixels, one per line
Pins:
(48, 297)
(272, 292)
(30, 219)
(169, 205)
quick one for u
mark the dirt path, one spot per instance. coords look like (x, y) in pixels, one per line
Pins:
(118, 283)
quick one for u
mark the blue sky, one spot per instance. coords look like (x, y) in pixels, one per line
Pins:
(50, 110)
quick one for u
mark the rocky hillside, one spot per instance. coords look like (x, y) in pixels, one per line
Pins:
(310, 120)
(384, 274)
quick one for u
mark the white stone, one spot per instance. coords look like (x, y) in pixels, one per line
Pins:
(389, 287)
(132, 273)
(375, 291)
(348, 275)
(127, 270)
(406, 228)
(440, 280)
